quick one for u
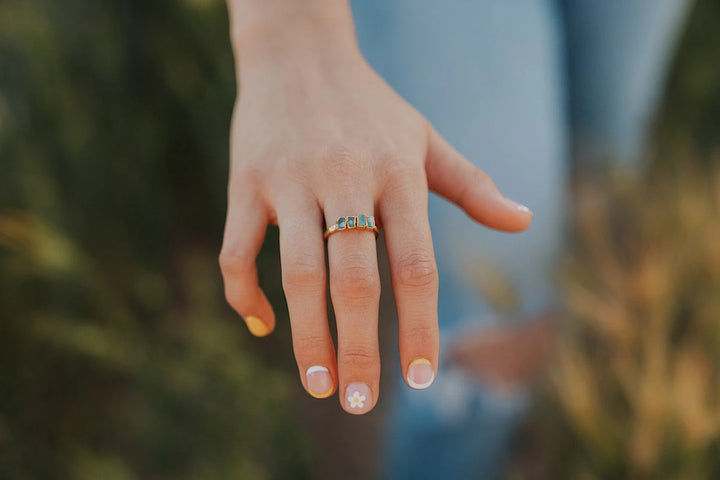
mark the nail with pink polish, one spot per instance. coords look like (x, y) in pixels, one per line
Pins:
(420, 374)
(358, 398)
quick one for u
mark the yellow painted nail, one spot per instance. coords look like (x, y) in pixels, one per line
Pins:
(256, 326)
(324, 395)
(319, 381)
(420, 374)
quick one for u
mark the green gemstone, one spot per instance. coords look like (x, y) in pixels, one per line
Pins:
(371, 222)
(341, 223)
(362, 220)
(351, 222)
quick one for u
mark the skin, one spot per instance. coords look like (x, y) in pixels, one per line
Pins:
(317, 134)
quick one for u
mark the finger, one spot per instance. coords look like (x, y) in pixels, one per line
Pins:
(454, 177)
(403, 209)
(302, 254)
(355, 292)
(245, 228)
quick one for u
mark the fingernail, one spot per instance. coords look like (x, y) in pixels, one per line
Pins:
(518, 206)
(525, 209)
(420, 374)
(256, 326)
(319, 382)
(358, 398)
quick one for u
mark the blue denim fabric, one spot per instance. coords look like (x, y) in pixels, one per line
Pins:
(618, 52)
(507, 82)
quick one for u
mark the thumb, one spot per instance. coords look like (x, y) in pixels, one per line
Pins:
(455, 178)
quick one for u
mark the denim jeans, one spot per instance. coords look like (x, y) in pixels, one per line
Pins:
(509, 83)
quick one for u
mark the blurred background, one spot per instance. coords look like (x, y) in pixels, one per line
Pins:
(119, 358)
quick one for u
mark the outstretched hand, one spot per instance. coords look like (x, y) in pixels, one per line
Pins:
(316, 135)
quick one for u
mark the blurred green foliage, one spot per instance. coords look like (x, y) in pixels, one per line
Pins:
(635, 386)
(636, 378)
(118, 356)
(690, 112)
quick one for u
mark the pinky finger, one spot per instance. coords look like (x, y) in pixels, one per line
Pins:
(244, 234)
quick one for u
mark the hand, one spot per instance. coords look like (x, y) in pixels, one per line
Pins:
(506, 357)
(317, 134)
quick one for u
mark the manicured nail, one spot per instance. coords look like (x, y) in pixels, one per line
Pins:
(256, 326)
(518, 206)
(319, 382)
(420, 374)
(358, 398)
(525, 209)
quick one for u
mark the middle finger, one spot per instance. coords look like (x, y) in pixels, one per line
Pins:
(355, 293)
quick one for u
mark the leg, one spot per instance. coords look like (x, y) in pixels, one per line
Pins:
(618, 54)
(487, 74)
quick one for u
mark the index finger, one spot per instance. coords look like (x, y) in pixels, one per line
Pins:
(414, 276)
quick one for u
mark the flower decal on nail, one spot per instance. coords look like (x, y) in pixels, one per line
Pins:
(356, 400)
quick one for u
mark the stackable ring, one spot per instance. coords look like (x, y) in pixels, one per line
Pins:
(359, 222)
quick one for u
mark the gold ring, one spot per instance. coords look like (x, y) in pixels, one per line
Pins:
(360, 222)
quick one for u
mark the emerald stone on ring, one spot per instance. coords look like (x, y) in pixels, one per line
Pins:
(359, 222)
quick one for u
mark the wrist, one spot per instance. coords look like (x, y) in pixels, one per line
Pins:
(276, 32)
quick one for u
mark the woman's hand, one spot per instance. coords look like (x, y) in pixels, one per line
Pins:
(317, 134)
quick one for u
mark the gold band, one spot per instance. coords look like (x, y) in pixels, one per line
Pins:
(359, 222)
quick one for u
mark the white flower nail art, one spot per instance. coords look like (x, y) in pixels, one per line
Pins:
(356, 400)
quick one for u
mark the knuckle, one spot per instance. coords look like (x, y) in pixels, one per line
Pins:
(481, 177)
(359, 281)
(361, 358)
(400, 174)
(304, 272)
(236, 270)
(417, 269)
(249, 177)
(246, 175)
(475, 179)
(405, 185)
(236, 262)
(482, 180)
(339, 160)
